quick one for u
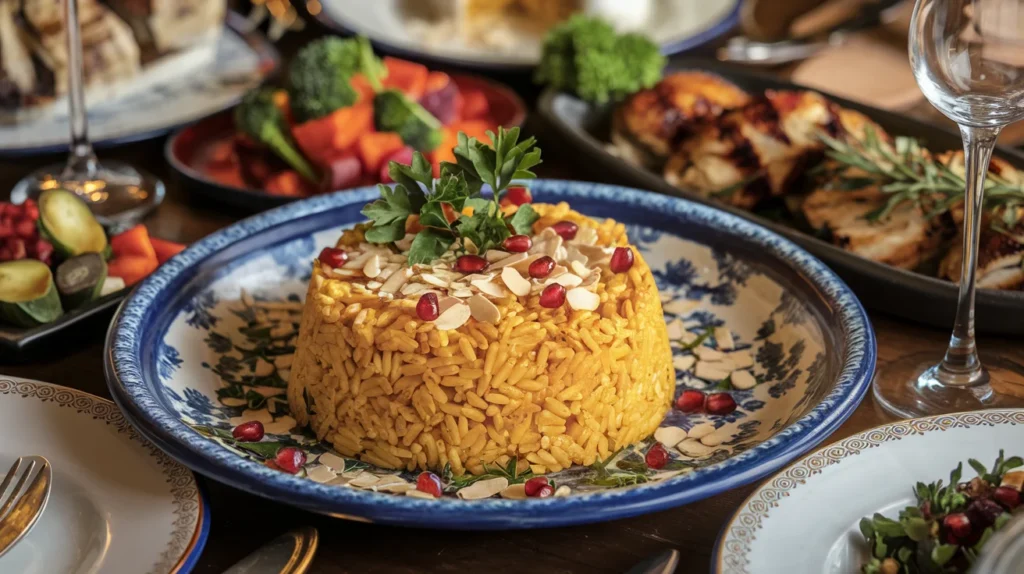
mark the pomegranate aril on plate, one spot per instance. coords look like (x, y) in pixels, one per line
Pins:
(470, 264)
(25, 228)
(957, 527)
(545, 491)
(656, 457)
(427, 307)
(542, 267)
(517, 244)
(333, 257)
(290, 459)
(251, 431)
(566, 229)
(553, 296)
(622, 260)
(720, 404)
(1007, 496)
(691, 401)
(430, 483)
(535, 484)
(518, 195)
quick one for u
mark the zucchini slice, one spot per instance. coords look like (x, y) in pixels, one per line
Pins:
(80, 279)
(65, 220)
(28, 296)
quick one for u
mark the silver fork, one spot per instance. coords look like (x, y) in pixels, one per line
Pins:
(22, 504)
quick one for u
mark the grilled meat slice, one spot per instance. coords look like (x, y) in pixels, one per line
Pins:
(647, 127)
(760, 150)
(162, 26)
(1000, 260)
(17, 73)
(905, 238)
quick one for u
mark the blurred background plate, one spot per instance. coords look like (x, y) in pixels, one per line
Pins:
(242, 61)
(416, 28)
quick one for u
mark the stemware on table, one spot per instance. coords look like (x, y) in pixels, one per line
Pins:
(968, 58)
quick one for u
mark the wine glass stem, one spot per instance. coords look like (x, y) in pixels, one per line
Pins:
(82, 159)
(961, 366)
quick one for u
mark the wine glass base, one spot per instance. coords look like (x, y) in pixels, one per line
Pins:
(118, 194)
(911, 387)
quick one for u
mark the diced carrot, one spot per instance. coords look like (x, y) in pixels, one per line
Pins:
(374, 148)
(408, 77)
(324, 138)
(221, 153)
(226, 175)
(287, 183)
(131, 268)
(412, 225)
(474, 105)
(165, 249)
(450, 139)
(282, 103)
(134, 242)
(350, 124)
(437, 81)
(315, 139)
(364, 92)
(475, 129)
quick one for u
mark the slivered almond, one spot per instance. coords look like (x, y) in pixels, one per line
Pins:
(515, 492)
(674, 329)
(493, 255)
(396, 280)
(684, 363)
(364, 480)
(739, 359)
(573, 255)
(709, 371)
(372, 267)
(345, 272)
(580, 269)
(723, 338)
(419, 494)
(553, 246)
(592, 280)
(478, 276)
(694, 448)
(702, 430)
(434, 280)
(445, 302)
(483, 489)
(453, 318)
(515, 282)
(596, 254)
(669, 436)
(713, 439)
(374, 285)
(398, 258)
(524, 265)
(462, 293)
(708, 354)
(413, 288)
(483, 310)
(510, 260)
(558, 270)
(321, 474)
(567, 280)
(358, 261)
(583, 300)
(586, 236)
(743, 380)
(489, 287)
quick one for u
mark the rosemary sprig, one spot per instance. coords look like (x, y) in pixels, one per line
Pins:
(906, 172)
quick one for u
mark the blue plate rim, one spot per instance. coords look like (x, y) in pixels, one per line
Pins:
(124, 370)
(234, 22)
(728, 22)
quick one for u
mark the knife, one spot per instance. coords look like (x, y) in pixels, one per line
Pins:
(290, 553)
(664, 563)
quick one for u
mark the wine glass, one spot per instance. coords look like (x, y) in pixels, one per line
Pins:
(118, 194)
(968, 59)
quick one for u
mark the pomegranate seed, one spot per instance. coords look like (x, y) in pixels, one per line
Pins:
(17, 247)
(720, 404)
(517, 244)
(25, 228)
(983, 512)
(622, 260)
(534, 485)
(545, 491)
(657, 456)
(957, 527)
(470, 264)
(430, 483)
(251, 431)
(427, 308)
(691, 401)
(1007, 496)
(542, 267)
(518, 195)
(566, 229)
(290, 459)
(31, 209)
(553, 296)
(43, 250)
(332, 257)
(6, 228)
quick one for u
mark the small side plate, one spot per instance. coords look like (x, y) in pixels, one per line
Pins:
(186, 150)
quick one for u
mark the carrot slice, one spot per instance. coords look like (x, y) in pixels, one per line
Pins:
(374, 148)
(449, 139)
(475, 129)
(437, 81)
(131, 268)
(165, 249)
(134, 242)
(287, 183)
(350, 124)
(408, 77)
(324, 138)
(362, 87)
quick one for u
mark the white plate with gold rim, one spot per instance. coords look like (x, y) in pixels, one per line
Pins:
(117, 504)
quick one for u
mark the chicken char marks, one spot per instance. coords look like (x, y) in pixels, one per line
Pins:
(757, 151)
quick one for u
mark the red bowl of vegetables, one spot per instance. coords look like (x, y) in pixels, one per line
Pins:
(330, 132)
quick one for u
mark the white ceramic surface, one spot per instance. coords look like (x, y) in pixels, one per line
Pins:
(805, 518)
(673, 24)
(117, 505)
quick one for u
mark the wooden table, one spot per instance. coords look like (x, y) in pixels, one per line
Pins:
(242, 522)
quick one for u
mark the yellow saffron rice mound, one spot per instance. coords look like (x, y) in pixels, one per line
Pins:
(549, 387)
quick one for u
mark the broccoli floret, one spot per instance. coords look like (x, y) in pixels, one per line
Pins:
(259, 118)
(585, 56)
(320, 76)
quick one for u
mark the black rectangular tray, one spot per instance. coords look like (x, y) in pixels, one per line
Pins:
(929, 300)
(18, 343)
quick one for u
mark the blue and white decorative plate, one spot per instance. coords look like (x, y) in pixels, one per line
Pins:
(393, 25)
(117, 504)
(824, 495)
(205, 343)
(218, 76)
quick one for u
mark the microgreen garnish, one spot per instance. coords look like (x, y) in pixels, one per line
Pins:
(440, 204)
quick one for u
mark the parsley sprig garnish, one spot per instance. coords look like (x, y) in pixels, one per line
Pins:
(439, 203)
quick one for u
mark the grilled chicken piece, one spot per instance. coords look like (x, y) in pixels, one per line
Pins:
(17, 73)
(760, 150)
(1000, 260)
(162, 26)
(904, 238)
(647, 126)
